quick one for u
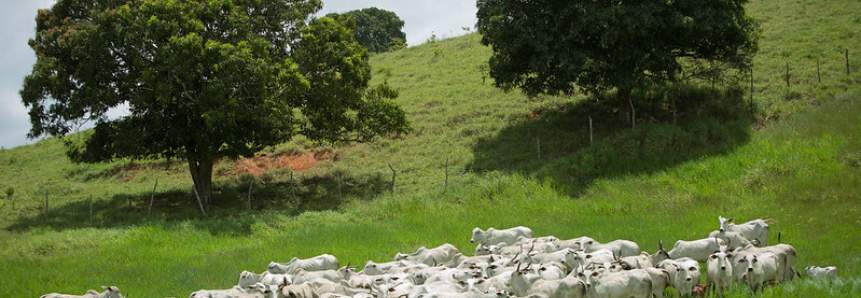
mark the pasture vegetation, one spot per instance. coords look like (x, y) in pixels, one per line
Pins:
(794, 157)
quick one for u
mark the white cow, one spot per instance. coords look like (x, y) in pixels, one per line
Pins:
(318, 263)
(258, 290)
(785, 255)
(110, 292)
(374, 268)
(524, 282)
(821, 273)
(684, 274)
(761, 268)
(433, 288)
(623, 284)
(719, 271)
(341, 287)
(733, 239)
(578, 258)
(660, 281)
(620, 248)
(546, 257)
(248, 278)
(304, 290)
(575, 243)
(641, 261)
(431, 257)
(699, 250)
(754, 229)
(301, 275)
(493, 236)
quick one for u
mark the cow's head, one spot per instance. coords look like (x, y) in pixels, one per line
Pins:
(723, 223)
(477, 236)
(112, 292)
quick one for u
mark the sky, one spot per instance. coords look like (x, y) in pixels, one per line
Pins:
(422, 18)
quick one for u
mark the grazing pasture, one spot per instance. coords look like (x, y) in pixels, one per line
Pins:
(795, 158)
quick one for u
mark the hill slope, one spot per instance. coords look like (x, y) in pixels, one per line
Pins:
(666, 180)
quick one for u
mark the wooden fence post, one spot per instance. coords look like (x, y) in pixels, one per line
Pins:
(591, 133)
(340, 194)
(751, 87)
(250, 185)
(152, 198)
(818, 73)
(91, 211)
(393, 177)
(45, 217)
(633, 113)
(293, 192)
(446, 173)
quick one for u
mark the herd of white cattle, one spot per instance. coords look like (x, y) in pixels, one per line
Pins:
(513, 263)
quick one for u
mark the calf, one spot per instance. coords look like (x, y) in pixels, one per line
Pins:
(318, 263)
(761, 268)
(821, 273)
(719, 271)
(110, 292)
(493, 236)
(702, 290)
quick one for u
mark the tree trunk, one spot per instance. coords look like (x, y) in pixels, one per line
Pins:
(201, 174)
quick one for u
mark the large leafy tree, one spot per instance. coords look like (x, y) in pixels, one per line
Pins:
(562, 46)
(202, 79)
(379, 30)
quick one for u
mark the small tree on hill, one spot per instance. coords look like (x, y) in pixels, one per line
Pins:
(378, 30)
(202, 79)
(562, 46)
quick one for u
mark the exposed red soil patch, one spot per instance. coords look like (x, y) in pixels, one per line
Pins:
(263, 163)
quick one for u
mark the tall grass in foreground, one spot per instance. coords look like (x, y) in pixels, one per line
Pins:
(767, 177)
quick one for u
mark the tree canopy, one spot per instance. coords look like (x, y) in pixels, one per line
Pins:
(201, 79)
(379, 30)
(564, 46)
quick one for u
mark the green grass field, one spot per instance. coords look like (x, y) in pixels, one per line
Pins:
(795, 156)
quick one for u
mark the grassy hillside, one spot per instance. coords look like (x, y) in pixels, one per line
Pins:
(795, 157)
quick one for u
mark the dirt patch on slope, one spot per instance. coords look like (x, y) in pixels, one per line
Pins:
(296, 161)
